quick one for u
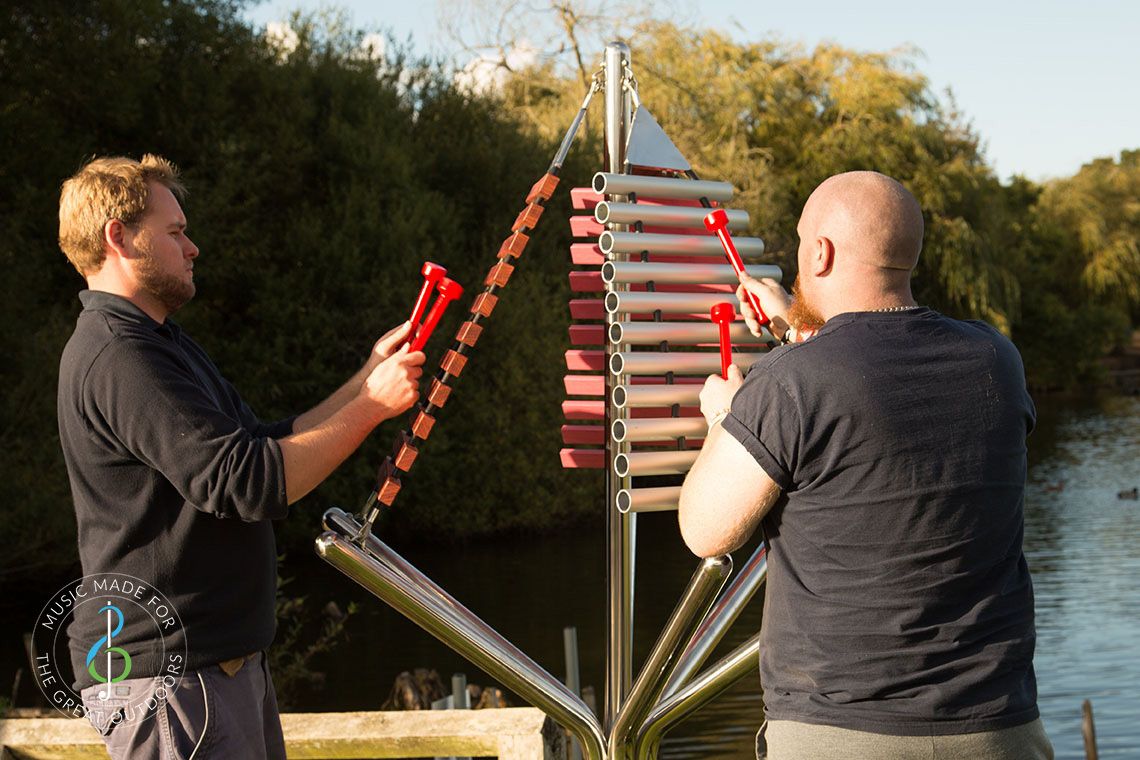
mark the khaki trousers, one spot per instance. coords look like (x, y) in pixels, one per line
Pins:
(789, 740)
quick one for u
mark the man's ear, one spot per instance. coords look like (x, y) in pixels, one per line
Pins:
(823, 256)
(116, 239)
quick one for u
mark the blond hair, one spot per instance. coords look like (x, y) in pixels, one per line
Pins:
(106, 189)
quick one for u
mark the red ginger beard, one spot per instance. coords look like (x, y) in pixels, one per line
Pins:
(803, 314)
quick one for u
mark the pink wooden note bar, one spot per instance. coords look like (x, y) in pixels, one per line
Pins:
(582, 360)
(587, 335)
(590, 459)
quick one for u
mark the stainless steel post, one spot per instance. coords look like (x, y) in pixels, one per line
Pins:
(620, 528)
(707, 687)
(705, 584)
(419, 604)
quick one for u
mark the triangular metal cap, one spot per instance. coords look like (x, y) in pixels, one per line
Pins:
(650, 148)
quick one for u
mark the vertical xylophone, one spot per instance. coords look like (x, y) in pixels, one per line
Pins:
(646, 275)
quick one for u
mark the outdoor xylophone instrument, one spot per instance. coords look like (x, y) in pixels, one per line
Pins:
(647, 277)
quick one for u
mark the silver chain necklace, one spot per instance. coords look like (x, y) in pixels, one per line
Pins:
(896, 308)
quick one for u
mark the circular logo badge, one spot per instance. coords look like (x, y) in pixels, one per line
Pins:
(129, 663)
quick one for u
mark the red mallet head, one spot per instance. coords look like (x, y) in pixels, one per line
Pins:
(717, 219)
(722, 315)
(449, 290)
(432, 273)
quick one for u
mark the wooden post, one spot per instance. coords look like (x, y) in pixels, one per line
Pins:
(1088, 730)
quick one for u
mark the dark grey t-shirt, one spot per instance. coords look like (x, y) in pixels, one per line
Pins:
(898, 599)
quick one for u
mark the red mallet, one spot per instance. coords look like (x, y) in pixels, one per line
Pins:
(723, 314)
(716, 222)
(449, 290)
(432, 273)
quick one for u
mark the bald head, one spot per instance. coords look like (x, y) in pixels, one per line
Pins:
(869, 217)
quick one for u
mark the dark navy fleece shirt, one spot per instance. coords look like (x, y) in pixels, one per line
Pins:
(175, 481)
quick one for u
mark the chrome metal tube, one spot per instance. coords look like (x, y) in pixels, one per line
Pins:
(420, 606)
(683, 274)
(682, 333)
(654, 463)
(640, 396)
(609, 183)
(346, 525)
(660, 429)
(681, 245)
(727, 609)
(662, 499)
(677, 362)
(643, 302)
(674, 708)
(663, 216)
(621, 529)
(687, 615)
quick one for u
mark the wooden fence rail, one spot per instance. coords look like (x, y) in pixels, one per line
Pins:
(521, 733)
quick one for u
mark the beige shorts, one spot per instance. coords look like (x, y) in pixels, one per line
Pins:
(789, 740)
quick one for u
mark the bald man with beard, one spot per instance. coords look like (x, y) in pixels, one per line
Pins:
(885, 460)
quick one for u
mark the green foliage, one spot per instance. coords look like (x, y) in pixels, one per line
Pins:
(323, 174)
(320, 179)
(291, 657)
(1081, 277)
(1056, 267)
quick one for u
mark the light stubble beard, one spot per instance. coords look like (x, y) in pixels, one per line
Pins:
(169, 290)
(802, 312)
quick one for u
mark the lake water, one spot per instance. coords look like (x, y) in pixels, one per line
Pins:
(1081, 542)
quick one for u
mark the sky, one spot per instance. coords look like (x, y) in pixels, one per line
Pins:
(1048, 85)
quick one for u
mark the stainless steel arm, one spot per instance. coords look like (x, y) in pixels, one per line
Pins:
(487, 652)
(728, 608)
(676, 707)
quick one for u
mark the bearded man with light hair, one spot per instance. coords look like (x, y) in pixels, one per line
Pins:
(175, 480)
(885, 459)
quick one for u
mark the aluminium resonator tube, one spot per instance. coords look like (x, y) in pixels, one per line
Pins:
(683, 274)
(659, 429)
(641, 396)
(661, 187)
(659, 499)
(677, 245)
(681, 333)
(654, 462)
(677, 362)
(609, 212)
(645, 302)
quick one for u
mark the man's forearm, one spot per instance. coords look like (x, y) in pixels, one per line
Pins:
(332, 404)
(312, 454)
